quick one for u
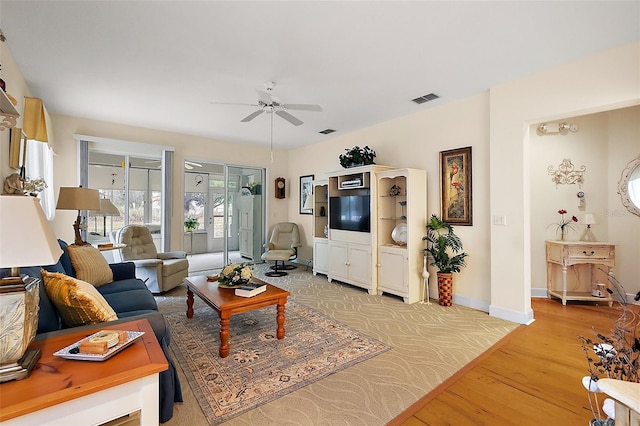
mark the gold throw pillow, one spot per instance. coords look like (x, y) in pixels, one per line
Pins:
(77, 301)
(90, 265)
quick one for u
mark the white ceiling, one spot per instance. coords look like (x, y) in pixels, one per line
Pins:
(161, 64)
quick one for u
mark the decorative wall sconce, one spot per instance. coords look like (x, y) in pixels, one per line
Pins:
(566, 174)
(556, 128)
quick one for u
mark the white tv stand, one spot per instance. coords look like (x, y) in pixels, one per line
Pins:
(372, 260)
(352, 253)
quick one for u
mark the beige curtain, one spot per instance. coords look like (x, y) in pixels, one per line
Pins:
(36, 121)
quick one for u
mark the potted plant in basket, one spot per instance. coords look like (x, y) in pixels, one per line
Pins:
(444, 249)
(357, 156)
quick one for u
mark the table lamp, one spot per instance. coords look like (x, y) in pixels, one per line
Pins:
(589, 219)
(26, 239)
(78, 198)
(106, 209)
(308, 203)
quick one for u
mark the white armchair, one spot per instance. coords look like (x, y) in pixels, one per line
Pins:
(282, 246)
(159, 271)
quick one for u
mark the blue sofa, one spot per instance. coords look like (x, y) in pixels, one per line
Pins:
(130, 299)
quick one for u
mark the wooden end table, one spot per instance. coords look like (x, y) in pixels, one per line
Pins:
(61, 391)
(226, 303)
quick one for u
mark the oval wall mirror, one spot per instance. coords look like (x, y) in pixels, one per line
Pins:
(629, 186)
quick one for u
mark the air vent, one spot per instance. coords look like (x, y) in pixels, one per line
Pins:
(425, 98)
(327, 131)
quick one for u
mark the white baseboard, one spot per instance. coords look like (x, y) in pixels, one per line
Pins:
(472, 303)
(510, 315)
(539, 292)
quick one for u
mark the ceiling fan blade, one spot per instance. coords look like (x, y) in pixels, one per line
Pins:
(303, 107)
(264, 97)
(252, 116)
(233, 103)
(290, 118)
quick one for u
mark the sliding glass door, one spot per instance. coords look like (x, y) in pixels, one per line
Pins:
(227, 204)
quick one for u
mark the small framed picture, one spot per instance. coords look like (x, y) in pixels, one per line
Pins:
(306, 194)
(455, 186)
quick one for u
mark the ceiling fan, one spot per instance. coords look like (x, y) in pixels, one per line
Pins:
(270, 104)
(189, 165)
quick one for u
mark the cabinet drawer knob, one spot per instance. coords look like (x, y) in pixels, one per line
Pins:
(589, 254)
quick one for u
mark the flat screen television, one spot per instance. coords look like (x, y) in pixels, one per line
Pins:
(350, 213)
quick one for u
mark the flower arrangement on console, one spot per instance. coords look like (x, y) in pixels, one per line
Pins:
(614, 356)
(235, 274)
(565, 224)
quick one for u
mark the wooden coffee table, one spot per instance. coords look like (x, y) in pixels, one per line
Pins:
(226, 303)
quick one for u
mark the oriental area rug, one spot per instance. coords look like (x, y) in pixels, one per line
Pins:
(261, 368)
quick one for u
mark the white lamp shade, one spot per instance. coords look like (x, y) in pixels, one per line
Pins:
(308, 202)
(26, 237)
(106, 209)
(589, 219)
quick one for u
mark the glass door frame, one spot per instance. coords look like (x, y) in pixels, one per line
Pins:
(234, 177)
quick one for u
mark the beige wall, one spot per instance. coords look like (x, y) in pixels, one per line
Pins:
(415, 141)
(623, 135)
(499, 274)
(16, 87)
(601, 82)
(605, 143)
(186, 147)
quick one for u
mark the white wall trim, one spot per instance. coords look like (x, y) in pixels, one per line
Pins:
(469, 302)
(511, 315)
(125, 146)
(539, 293)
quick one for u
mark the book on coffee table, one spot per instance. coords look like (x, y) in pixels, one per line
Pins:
(250, 290)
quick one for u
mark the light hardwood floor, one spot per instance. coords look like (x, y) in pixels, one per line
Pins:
(532, 377)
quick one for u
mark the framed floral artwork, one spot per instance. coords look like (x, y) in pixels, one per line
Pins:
(306, 194)
(455, 186)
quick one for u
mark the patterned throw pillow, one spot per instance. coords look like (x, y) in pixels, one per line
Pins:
(90, 265)
(78, 302)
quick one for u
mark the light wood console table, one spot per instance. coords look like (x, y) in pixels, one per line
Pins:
(568, 255)
(61, 391)
(627, 397)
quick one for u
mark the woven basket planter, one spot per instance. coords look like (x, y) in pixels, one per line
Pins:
(445, 289)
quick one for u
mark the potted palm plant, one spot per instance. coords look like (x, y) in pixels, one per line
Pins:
(444, 249)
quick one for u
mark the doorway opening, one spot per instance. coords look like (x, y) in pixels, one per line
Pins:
(228, 206)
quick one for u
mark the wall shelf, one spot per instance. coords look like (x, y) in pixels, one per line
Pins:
(8, 112)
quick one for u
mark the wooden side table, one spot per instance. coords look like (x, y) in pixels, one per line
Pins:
(627, 397)
(600, 258)
(109, 248)
(61, 391)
